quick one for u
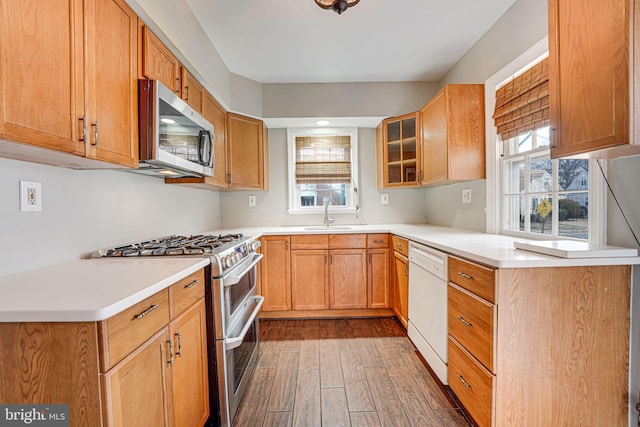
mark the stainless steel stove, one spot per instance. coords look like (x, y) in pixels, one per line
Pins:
(225, 251)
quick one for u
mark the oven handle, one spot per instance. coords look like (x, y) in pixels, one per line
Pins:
(231, 343)
(232, 280)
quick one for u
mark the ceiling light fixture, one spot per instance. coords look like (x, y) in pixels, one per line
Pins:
(338, 6)
(167, 121)
(323, 122)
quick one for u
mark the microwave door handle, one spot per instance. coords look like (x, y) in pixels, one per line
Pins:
(232, 280)
(203, 136)
(231, 343)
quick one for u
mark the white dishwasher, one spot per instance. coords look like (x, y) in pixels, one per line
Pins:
(428, 306)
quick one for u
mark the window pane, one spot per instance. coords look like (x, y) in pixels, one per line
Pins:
(540, 178)
(543, 137)
(540, 213)
(523, 143)
(514, 177)
(573, 174)
(514, 213)
(313, 195)
(573, 213)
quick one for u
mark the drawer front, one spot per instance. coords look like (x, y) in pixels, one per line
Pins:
(375, 241)
(400, 245)
(473, 277)
(471, 323)
(124, 332)
(471, 383)
(347, 241)
(186, 292)
(310, 241)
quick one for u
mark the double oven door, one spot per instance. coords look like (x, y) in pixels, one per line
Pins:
(236, 306)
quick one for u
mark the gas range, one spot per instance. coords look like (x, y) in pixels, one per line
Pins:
(226, 251)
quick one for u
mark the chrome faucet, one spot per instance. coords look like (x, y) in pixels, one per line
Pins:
(327, 221)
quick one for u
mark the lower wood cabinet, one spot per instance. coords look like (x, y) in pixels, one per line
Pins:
(348, 278)
(275, 273)
(138, 391)
(400, 279)
(326, 272)
(309, 279)
(137, 368)
(540, 346)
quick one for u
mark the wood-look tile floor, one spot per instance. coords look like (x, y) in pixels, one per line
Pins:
(344, 372)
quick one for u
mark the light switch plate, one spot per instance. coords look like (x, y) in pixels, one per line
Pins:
(252, 201)
(30, 196)
(384, 199)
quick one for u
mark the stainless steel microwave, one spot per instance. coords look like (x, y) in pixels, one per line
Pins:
(175, 140)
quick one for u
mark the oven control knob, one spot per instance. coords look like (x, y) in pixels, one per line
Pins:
(228, 261)
(237, 257)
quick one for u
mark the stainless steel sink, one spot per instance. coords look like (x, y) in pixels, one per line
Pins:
(334, 227)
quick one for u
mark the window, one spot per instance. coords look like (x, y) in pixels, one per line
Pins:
(529, 194)
(322, 168)
(540, 195)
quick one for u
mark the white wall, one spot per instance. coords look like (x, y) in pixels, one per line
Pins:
(405, 206)
(88, 210)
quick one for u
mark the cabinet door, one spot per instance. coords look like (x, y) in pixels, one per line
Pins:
(435, 162)
(192, 90)
(400, 151)
(190, 372)
(276, 279)
(245, 152)
(217, 115)
(158, 63)
(589, 61)
(310, 279)
(42, 73)
(401, 288)
(348, 278)
(378, 278)
(112, 126)
(137, 391)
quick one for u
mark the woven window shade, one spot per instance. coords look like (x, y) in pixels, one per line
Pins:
(522, 105)
(323, 160)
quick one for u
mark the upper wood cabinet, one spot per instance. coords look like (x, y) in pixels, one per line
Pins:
(247, 153)
(112, 113)
(453, 135)
(593, 70)
(398, 151)
(157, 62)
(192, 91)
(70, 86)
(217, 115)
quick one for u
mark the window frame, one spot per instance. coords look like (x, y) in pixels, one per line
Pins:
(597, 221)
(351, 196)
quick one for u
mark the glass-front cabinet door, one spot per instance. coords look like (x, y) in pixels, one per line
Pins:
(400, 151)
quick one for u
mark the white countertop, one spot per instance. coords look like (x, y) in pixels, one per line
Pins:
(491, 249)
(96, 289)
(88, 290)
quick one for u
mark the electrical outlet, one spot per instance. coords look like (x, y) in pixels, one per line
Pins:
(466, 195)
(252, 201)
(30, 196)
(384, 199)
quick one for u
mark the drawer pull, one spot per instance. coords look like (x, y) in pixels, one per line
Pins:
(460, 318)
(378, 241)
(399, 245)
(147, 311)
(466, 384)
(170, 361)
(192, 284)
(466, 276)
